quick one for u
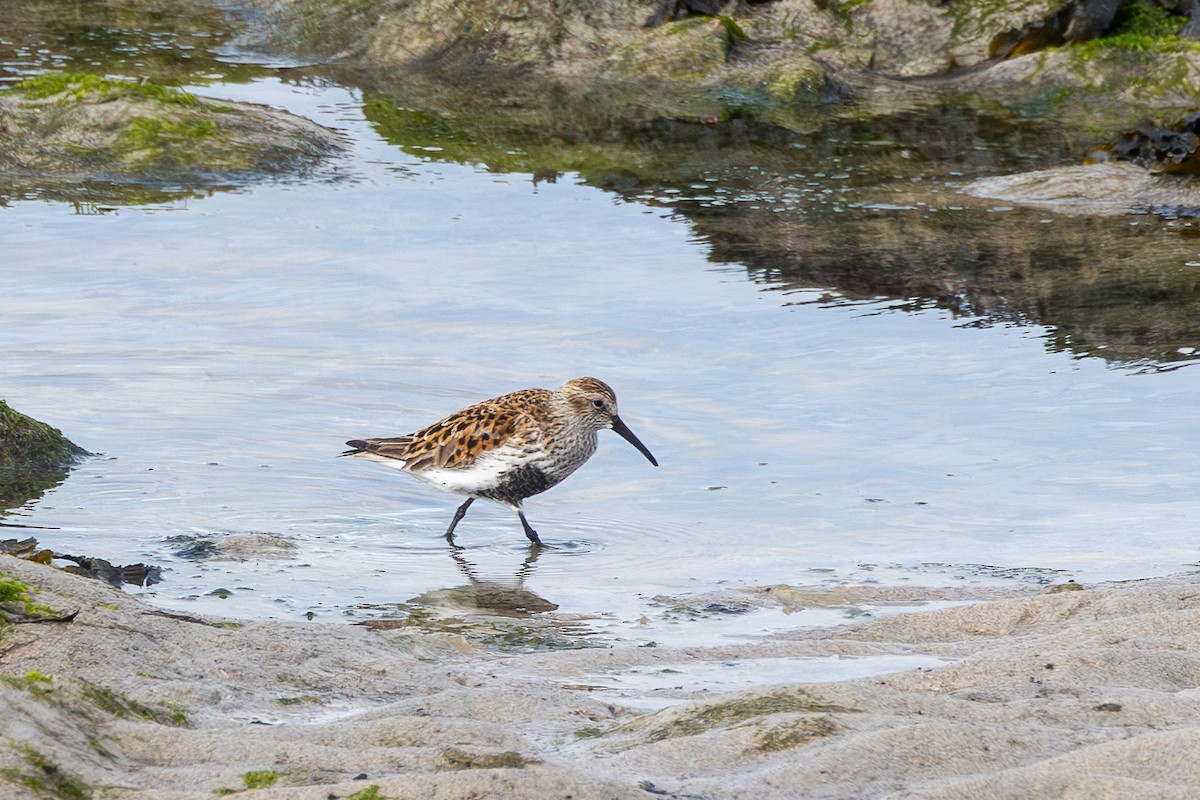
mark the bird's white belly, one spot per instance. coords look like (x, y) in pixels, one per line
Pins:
(487, 473)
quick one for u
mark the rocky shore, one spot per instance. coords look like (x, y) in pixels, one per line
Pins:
(1097, 60)
(1088, 693)
(1080, 692)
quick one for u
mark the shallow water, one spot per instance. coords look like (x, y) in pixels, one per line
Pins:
(663, 685)
(218, 351)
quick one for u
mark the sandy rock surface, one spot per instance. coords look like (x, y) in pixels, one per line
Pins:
(1092, 693)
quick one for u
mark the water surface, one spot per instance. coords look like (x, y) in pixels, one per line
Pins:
(217, 351)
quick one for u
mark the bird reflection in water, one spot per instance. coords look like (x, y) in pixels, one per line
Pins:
(479, 594)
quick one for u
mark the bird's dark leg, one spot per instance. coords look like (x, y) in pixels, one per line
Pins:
(529, 531)
(458, 515)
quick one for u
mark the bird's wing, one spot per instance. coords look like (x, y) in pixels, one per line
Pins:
(457, 441)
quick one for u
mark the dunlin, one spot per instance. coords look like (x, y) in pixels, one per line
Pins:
(508, 448)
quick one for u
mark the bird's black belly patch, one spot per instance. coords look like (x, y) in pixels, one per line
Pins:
(517, 484)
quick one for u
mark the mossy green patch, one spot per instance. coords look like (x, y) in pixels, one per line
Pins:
(81, 698)
(69, 86)
(457, 759)
(45, 778)
(545, 141)
(260, 779)
(17, 598)
(797, 79)
(165, 136)
(1140, 27)
(34, 682)
(300, 700)
(733, 31)
(1139, 30)
(795, 733)
(370, 793)
(1125, 76)
(119, 705)
(14, 590)
(694, 720)
(255, 779)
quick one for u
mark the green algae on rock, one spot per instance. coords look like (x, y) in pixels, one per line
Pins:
(16, 599)
(691, 51)
(61, 126)
(44, 777)
(456, 758)
(693, 719)
(33, 457)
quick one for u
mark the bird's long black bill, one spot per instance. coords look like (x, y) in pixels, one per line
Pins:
(627, 435)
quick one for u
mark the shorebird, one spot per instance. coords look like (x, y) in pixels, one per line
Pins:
(508, 448)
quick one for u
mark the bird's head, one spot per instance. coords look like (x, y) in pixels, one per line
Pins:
(595, 403)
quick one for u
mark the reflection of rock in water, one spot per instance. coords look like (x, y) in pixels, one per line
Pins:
(34, 457)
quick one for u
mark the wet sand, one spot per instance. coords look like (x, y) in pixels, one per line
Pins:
(1088, 693)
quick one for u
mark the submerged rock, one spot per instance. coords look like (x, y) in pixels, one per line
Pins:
(1096, 189)
(1151, 168)
(74, 126)
(33, 457)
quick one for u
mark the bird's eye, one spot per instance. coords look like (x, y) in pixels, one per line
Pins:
(598, 403)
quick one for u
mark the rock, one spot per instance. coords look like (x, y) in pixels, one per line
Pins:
(33, 457)
(1155, 147)
(798, 79)
(1071, 22)
(881, 55)
(692, 51)
(677, 9)
(912, 39)
(66, 125)
(674, 9)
